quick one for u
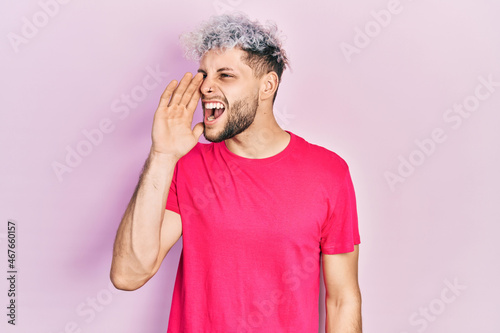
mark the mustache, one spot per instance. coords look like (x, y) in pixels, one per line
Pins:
(215, 98)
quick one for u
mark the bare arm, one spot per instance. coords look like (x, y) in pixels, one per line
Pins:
(343, 297)
(147, 230)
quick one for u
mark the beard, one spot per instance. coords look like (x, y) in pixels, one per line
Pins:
(240, 117)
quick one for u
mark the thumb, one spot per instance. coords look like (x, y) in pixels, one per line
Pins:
(198, 130)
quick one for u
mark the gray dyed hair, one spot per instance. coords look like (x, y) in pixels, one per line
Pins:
(261, 42)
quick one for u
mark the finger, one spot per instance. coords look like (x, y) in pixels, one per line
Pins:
(193, 87)
(181, 88)
(165, 96)
(198, 130)
(193, 102)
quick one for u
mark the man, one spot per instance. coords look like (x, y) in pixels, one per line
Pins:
(258, 208)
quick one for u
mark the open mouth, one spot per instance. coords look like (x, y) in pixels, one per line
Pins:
(213, 110)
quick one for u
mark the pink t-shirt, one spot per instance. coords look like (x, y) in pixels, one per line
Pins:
(253, 231)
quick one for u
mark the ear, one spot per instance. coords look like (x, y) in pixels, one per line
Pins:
(269, 85)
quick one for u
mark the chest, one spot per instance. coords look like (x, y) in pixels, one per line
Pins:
(245, 204)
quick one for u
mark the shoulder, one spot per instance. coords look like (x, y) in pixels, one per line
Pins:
(318, 157)
(201, 151)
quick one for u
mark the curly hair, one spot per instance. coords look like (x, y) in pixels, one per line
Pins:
(264, 52)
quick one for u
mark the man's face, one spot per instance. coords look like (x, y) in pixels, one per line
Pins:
(229, 94)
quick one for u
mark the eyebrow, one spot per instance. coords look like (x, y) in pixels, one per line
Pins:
(223, 69)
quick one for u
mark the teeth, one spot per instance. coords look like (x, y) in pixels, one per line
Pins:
(216, 105)
(211, 118)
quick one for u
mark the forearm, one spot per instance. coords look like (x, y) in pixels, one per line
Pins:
(344, 316)
(137, 242)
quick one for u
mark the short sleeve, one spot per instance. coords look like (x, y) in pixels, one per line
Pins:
(340, 231)
(172, 200)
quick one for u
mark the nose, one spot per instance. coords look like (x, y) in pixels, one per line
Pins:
(207, 86)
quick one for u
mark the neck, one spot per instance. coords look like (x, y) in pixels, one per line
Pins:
(264, 138)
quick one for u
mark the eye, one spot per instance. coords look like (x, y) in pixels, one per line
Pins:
(225, 75)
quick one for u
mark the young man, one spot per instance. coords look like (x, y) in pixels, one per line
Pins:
(258, 208)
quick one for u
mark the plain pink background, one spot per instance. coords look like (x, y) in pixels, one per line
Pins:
(438, 227)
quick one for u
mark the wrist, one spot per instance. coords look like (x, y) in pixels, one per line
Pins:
(162, 158)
